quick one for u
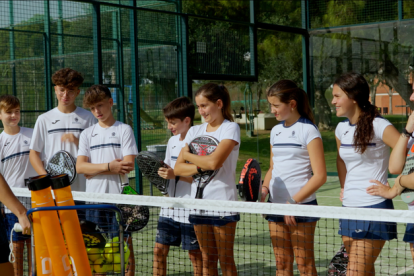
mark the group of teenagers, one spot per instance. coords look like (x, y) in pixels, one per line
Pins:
(105, 148)
(297, 170)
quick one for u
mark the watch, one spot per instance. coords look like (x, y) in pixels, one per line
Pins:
(406, 133)
(292, 201)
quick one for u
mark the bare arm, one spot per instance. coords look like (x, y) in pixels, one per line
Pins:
(117, 166)
(215, 160)
(36, 162)
(268, 177)
(399, 151)
(317, 159)
(10, 201)
(341, 167)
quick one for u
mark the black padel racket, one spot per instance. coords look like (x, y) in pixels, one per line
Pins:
(62, 162)
(202, 146)
(93, 235)
(408, 194)
(250, 182)
(339, 263)
(134, 217)
(149, 164)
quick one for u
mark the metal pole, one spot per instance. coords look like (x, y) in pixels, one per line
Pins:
(306, 52)
(11, 45)
(135, 88)
(97, 45)
(60, 32)
(48, 57)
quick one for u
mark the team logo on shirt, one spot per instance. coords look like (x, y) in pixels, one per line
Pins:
(76, 121)
(6, 144)
(113, 136)
(113, 133)
(25, 142)
(55, 122)
(293, 135)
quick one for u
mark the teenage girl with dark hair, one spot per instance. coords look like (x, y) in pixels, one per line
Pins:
(363, 142)
(294, 143)
(215, 230)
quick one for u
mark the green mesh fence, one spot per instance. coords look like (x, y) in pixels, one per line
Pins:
(329, 13)
(219, 48)
(286, 13)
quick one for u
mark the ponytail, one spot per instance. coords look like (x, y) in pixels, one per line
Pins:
(356, 88)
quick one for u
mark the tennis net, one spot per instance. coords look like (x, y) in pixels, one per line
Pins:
(253, 251)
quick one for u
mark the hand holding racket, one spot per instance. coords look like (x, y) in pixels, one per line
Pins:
(62, 162)
(203, 146)
(250, 182)
(149, 164)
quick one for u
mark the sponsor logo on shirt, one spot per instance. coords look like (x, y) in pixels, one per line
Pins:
(346, 132)
(293, 135)
(76, 121)
(6, 144)
(93, 135)
(55, 122)
(277, 134)
(173, 147)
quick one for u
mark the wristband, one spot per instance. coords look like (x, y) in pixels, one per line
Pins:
(406, 133)
(109, 169)
(199, 170)
(266, 188)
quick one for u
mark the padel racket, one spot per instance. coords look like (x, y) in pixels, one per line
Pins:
(202, 146)
(93, 236)
(250, 182)
(408, 194)
(149, 164)
(62, 162)
(339, 263)
(134, 217)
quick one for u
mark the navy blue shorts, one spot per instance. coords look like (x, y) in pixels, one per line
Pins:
(373, 230)
(280, 218)
(9, 220)
(409, 233)
(213, 220)
(171, 232)
(4, 243)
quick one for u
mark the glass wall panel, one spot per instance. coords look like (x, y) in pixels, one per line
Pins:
(382, 53)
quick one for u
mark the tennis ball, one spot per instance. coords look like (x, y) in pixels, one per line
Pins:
(94, 253)
(100, 266)
(109, 255)
(112, 244)
(117, 262)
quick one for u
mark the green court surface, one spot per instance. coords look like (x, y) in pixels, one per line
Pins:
(253, 251)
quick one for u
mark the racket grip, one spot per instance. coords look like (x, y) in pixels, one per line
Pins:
(199, 193)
